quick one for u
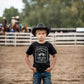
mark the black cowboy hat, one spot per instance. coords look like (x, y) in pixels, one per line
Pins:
(40, 26)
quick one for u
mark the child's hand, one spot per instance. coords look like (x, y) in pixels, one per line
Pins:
(34, 69)
(48, 69)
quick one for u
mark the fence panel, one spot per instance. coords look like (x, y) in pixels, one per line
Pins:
(65, 39)
(2, 39)
(80, 39)
(55, 38)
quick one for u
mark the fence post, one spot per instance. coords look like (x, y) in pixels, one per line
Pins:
(5, 39)
(30, 37)
(75, 39)
(54, 38)
(15, 39)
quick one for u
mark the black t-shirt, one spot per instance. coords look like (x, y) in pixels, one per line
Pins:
(41, 54)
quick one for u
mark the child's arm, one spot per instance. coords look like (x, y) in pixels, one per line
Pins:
(53, 64)
(30, 65)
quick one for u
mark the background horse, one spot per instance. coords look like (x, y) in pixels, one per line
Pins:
(16, 28)
(24, 28)
(4, 27)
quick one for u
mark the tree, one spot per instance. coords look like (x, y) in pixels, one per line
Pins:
(55, 13)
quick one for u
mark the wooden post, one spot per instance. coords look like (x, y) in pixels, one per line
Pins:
(75, 39)
(30, 38)
(5, 39)
(15, 39)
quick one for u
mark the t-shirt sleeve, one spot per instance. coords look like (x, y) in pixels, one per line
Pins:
(52, 50)
(30, 50)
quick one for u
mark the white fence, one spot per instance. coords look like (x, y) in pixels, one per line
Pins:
(55, 38)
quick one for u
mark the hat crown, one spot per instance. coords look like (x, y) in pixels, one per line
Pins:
(4, 17)
(40, 26)
(17, 17)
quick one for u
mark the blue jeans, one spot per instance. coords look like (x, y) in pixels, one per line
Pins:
(46, 76)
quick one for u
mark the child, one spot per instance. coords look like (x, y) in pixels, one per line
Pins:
(41, 50)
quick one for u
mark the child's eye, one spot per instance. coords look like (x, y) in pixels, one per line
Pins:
(43, 33)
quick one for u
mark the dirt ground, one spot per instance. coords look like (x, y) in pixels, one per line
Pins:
(69, 68)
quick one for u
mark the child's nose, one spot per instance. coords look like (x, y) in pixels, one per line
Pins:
(41, 35)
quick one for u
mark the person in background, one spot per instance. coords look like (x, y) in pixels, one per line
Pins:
(14, 26)
(4, 21)
(3, 27)
(13, 21)
(17, 18)
(21, 27)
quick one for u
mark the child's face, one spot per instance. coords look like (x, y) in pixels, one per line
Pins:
(41, 34)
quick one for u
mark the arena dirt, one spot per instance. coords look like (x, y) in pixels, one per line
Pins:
(69, 67)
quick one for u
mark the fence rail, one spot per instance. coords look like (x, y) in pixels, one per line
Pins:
(55, 38)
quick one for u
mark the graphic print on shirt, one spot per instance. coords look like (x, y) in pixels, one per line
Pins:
(41, 54)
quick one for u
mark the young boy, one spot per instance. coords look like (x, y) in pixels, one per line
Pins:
(41, 50)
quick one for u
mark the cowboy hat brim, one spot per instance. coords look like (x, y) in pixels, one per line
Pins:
(40, 28)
